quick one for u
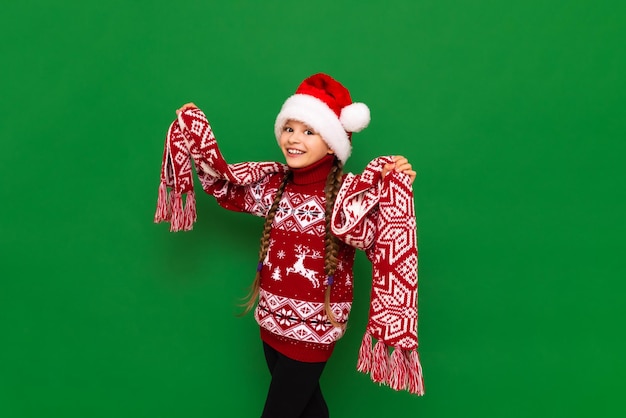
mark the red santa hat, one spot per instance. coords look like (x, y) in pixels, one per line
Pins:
(325, 105)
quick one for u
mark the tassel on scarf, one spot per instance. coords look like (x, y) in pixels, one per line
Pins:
(380, 363)
(190, 211)
(415, 378)
(177, 221)
(364, 363)
(401, 370)
(182, 219)
(398, 370)
(163, 211)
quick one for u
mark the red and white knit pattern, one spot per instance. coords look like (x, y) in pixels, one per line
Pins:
(298, 319)
(190, 137)
(293, 280)
(301, 213)
(391, 245)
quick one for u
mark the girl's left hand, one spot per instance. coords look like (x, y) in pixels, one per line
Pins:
(401, 165)
(185, 107)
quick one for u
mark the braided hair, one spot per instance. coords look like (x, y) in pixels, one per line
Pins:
(333, 183)
(265, 241)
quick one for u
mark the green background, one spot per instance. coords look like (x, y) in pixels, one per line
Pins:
(512, 112)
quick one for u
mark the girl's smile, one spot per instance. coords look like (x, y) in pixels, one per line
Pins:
(301, 145)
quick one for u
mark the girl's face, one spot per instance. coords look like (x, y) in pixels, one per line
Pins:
(301, 145)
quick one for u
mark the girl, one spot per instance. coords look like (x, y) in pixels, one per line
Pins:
(303, 283)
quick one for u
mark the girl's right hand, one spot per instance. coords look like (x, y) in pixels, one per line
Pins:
(401, 165)
(185, 107)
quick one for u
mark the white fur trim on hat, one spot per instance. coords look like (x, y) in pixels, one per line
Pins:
(315, 113)
(355, 117)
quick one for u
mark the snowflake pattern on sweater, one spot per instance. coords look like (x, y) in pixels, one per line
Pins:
(291, 301)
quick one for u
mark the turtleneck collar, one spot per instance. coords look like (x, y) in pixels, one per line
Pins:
(315, 173)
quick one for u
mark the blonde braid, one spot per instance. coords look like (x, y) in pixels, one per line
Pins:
(333, 183)
(251, 298)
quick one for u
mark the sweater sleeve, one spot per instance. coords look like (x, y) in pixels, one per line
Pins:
(247, 187)
(255, 198)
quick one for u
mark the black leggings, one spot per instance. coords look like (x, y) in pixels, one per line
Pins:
(295, 388)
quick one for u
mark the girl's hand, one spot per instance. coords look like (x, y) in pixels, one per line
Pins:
(401, 165)
(185, 107)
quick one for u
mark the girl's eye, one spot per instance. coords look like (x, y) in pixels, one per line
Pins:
(308, 132)
(288, 129)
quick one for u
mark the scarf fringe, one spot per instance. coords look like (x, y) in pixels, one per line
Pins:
(177, 212)
(182, 219)
(164, 208)
(402, 370)
(170, 209)
(364, 364)
(416, 378)
(398, 370)
(190, 215)
(380, 363)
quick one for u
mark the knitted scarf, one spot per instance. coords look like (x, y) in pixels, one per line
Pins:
(371, 213)
(190, 137)
(390, 241)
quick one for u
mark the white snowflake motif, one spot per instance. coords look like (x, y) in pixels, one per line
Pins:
(340, 266)
(308, 212)
(283, 208)
(319, 323)
(281, 254)
(286, 317)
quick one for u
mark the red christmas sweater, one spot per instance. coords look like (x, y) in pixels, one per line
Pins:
(290, 310)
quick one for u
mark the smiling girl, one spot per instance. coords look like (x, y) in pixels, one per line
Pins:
(302, 292)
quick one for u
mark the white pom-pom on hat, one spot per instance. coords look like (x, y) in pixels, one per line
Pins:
(355, 117)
